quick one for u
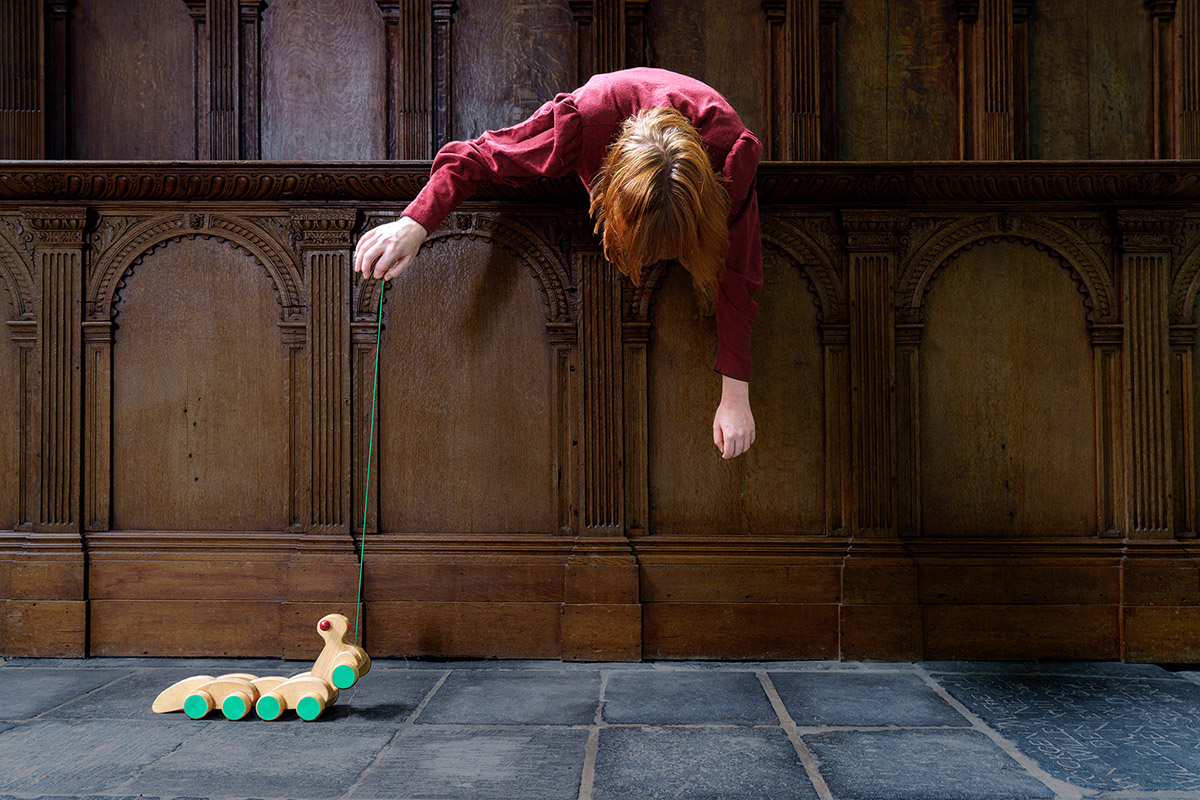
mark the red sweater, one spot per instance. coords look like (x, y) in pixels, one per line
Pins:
(573, 131)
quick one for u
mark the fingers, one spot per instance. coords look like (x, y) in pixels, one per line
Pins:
(364, 244)
(719, 436)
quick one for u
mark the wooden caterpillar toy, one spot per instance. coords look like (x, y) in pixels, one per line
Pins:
(339, 666)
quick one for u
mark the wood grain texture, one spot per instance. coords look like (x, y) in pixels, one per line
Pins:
(323, 78)
(921, 78)
(465, 630)
(461, 345)
(720, 44)
(463, 582)
(131, 80)
(62, 579)
(1120, 92)
(1162, 633)
(739, 630)
(200, 425)
(600, 632)
(1022, 632)
(862, 60)
(46, 629)
(146, 579)
(987, 466)
(1059, 124)
(185, 628)
(1024, 583)
(741, 583)
(890, 633)
(12, 396)
(509, 58)
(778, 486)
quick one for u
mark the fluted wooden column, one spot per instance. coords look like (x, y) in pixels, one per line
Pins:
(1146, 265)
(801, 79)
(993, 53)
(835, 341)
(33, 83)
(871, 246)
(47, 613)
(227, 68)
(409, 35)
(601, 611)
(443, 71)
(1166, 74)
(325, 246)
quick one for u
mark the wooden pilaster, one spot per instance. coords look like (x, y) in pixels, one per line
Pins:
(871, 247)
(1146, 264)
(993, 80)
(326, 246)
(409, 25)
(443, 71)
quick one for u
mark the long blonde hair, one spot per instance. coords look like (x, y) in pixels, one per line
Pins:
(657, 196)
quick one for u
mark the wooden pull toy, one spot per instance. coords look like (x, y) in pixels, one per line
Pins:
(339, 666)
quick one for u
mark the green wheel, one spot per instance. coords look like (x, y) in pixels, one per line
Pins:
(235, 706)
(197, 706)
(344, 676)
(268, 707)
(309, 708)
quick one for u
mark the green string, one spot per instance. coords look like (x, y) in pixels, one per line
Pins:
(362, 550)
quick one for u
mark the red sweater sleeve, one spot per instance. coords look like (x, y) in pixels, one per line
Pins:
(547, 144)
(735, 308)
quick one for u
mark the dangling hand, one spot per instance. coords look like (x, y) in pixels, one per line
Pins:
(733, 425)
(386, 251)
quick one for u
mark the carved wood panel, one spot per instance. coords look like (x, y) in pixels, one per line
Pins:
(323, 76)
(461, 346)
(132, 94)
(200, 411)
(990, 464)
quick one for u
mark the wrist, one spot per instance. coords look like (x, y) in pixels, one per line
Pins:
(415, 226)
(734, 390)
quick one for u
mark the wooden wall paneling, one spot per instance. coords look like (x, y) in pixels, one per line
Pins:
(920, 68)
(637, 40)
(363, 327)
(509, 59)
(1146, 265)
(1058, 78)
(908, 428)
(775, 138)
(1022, 10)
(130, 91)
(829, 12)
(490, 360)
(803, 116)
(862, 65)
(324, 73)
(1000, 455)
(1120, 92)
(326, 252)
(57, 72)
(601, 616)
(636, 339)
(22, 97)
(1182, 394)
(409, 33)
(987, 78)
(97, 424)
(1169, 78)
(871, 250)
(250, 78)
(1187, 95)
(443, 71)
(608, 28)
(585, 39)
(58, 247)
(17, 425)
(212, 449)
(801, 81)
(198, 9)
(224, 79)
(1109, 372)
(185, 628)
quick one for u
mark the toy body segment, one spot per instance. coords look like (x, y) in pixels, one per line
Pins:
(339, 666)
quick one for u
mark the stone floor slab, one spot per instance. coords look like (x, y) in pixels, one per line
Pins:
(1098, 733)
(25, 693)
(863, 699)
(56, 757)
(240, 759)
(1087, 668)
(525, 697)
(462, 763)
(383, 696)
(699, 764)
(687, 697)
(920, 765)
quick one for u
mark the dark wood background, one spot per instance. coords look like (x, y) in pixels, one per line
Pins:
(974, 380)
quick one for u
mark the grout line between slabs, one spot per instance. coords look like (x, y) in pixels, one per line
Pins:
(587, 780)
(789, 726)
(1062, 790)
(407, 724)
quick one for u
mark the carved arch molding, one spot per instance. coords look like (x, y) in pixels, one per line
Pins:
(117, 261)
(531, 247)
(931, 243)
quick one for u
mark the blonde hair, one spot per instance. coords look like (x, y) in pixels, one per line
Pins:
(657, 196)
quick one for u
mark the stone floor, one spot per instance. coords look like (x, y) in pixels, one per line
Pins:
(540, 730)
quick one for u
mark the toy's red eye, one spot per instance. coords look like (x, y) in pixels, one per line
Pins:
(324, 625)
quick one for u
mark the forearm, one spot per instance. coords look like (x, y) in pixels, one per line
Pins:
(734, 391)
